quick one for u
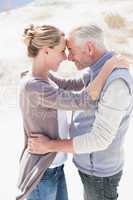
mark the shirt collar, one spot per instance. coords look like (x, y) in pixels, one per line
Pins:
(100, 62)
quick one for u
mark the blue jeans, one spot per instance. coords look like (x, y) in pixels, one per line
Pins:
(51, 187)
(100, 188)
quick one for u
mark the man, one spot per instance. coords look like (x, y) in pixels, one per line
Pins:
(96, 136)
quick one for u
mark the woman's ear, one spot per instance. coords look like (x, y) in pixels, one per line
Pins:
(45, 50)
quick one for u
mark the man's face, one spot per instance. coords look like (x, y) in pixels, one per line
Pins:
(79, 55)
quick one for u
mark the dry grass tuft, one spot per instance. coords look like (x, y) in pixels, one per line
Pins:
(114, 21)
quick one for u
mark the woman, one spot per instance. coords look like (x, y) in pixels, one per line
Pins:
(42, 176)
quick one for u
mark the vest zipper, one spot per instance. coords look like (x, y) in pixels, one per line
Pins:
(92, 165)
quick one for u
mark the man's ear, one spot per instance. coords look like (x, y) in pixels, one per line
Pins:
(90, 47)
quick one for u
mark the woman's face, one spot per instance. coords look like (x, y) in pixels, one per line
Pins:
(56, 55)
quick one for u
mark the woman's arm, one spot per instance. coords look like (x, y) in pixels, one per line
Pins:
(97, 84)
(75, 84)
(45, 95)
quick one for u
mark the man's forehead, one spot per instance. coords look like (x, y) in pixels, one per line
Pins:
(68, 42)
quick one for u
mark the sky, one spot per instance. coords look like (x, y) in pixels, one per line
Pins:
(7, 4)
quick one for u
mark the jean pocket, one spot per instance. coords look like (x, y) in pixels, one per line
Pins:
(110, 186)
(115, 178)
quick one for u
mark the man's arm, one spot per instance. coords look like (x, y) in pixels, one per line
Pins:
(111, 109)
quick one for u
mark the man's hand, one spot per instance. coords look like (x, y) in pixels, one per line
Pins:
(38, 144)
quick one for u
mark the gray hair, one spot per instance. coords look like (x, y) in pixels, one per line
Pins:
(92, 33)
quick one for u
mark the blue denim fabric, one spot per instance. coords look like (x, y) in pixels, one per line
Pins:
(100, 188)
(51, 187)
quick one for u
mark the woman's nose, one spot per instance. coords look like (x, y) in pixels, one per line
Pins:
(70, 57)
(65, 56)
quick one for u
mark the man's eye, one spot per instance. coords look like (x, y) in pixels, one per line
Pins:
(70, 51)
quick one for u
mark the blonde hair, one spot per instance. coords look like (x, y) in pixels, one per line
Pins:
(90, 32)
(36, 37)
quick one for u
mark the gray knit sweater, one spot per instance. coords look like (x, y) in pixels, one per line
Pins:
(39, 101)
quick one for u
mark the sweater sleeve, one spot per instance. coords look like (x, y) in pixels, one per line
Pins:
(42, 94)
(75, 84)
(111, 109)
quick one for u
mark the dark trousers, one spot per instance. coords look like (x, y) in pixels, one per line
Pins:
(100, 188)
